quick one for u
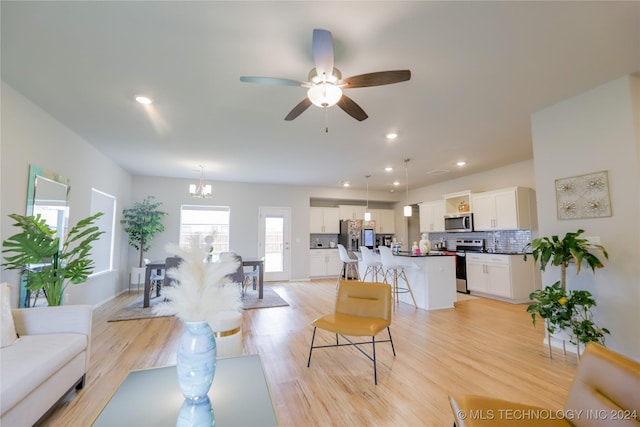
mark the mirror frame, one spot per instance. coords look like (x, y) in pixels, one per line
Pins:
(34, 173)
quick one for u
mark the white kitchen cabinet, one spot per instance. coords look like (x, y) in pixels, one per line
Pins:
(506, 209)
(324, 263)
(352, 211)
(385, 220)
(506, 277)
(324, 220)
(432, 216)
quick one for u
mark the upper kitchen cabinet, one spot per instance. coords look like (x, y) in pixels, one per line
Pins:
(324, 220)
(432, 216)
(352, 211)
(457, 202)
(385, 220)
(506, 209)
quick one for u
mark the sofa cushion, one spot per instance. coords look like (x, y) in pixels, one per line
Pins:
(8, 333)
(32, 360)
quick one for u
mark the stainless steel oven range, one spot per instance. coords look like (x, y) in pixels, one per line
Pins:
(462, 247)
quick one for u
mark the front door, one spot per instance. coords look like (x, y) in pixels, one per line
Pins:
(275, 237)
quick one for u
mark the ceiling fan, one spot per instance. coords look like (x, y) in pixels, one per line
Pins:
(326, 84)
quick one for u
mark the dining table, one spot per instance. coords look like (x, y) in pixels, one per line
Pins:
(159, 267)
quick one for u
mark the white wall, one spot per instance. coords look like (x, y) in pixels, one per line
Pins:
(597, 131)
(29, 135)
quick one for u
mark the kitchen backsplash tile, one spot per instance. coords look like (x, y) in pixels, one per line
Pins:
(499, 241)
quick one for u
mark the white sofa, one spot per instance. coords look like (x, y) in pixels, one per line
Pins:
(50, 358)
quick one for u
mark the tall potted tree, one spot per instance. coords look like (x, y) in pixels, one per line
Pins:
(57, 264)
(569, 312)
(141, 222)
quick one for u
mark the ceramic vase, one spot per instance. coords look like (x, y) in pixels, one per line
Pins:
(196, 360)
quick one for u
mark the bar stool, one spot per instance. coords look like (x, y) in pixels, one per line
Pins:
(372, 261)
(349, 265)
(396, 268)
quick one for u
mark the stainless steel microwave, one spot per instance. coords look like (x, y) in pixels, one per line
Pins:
(458, 222)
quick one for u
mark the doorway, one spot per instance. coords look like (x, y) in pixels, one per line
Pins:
(274, 242)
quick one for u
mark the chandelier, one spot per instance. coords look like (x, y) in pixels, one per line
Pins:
(200, 191)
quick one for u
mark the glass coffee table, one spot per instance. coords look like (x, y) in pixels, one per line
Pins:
(239, 396)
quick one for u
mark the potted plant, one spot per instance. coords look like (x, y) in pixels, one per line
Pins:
(58, 264)
(569, 312)
(141, 222)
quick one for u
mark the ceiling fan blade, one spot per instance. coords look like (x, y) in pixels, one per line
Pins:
(274, 81)
(377, 79)
(351, 108)
(323, 52)
(298, 109)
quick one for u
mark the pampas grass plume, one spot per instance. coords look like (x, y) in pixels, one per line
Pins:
(201, 288)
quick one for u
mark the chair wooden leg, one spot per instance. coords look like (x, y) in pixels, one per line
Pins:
(404, 276)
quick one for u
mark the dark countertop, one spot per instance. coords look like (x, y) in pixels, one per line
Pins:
(433, 253)
(324, 247)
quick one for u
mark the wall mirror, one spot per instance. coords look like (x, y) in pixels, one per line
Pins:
(47, 195)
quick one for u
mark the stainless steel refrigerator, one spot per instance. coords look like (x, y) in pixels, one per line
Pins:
(354, 234)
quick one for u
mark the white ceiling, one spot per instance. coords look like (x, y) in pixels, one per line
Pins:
(479, 69)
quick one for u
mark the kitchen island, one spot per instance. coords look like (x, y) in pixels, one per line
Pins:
(433, 281)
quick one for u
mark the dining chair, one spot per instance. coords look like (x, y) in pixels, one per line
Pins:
(250, 277)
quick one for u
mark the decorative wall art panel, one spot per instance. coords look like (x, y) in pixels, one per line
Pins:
(583, 196)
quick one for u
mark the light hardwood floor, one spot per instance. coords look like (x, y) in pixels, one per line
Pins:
(481, 347)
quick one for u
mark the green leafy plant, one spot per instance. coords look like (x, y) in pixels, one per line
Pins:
(561, 252)
(142, 221)
(58, 265)
(560, 310)
(569, 312)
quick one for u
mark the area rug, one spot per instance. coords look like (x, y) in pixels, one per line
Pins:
(270, 299)
(134, 309)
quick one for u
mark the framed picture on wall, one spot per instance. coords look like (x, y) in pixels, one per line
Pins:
(583, 196)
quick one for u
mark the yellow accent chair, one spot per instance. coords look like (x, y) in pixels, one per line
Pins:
(605, 392)
(362, 310)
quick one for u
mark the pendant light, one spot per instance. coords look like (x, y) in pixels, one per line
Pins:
(200, 191)
(407, 208)
(367, 214)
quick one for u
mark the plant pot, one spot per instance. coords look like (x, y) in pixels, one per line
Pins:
(137, 275)
(227, 329)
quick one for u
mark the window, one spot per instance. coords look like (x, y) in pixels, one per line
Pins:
(204, 225)
(102, 249)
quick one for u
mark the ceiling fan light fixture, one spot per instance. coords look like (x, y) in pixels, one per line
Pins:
(324, 95)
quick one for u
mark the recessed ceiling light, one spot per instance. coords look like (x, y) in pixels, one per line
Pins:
(461, 163)
(144, 100)
(388, 169)
(391, 135)
(345, 184)
(396, 183)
